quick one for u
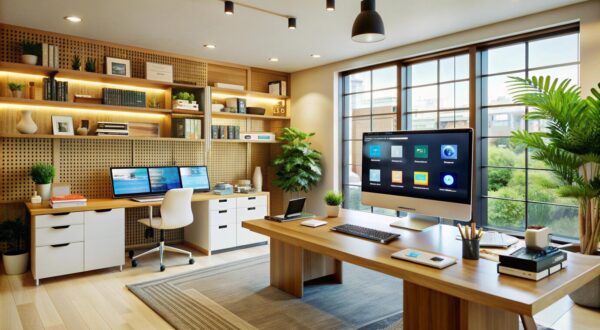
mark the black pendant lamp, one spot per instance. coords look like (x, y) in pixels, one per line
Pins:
(368, 25)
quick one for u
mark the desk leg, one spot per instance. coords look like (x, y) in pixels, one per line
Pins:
(528, 322)
(429, 309)
(291, 266)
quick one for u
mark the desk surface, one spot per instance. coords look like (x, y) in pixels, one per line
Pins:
(472, 280)
(110, 203)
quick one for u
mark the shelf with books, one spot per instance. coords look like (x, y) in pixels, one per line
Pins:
(194, 113)
(243, 141)
(245, 93)
(94, 137)
(22, 102)
(246, 116)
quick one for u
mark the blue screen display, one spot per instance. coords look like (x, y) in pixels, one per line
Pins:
(162, 179)
(130, 181)
(195, 177)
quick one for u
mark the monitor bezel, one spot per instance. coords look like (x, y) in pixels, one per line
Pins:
(115, 195)
(150, 179)
(207, 177)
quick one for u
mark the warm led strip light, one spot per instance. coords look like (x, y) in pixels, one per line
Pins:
(254, 98)
(8, 105)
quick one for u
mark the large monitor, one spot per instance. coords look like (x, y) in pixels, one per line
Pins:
(421, 172)
(130, 181)
(195, 177)
(163, 179)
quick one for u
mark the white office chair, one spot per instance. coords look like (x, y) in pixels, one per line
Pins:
(175, 212)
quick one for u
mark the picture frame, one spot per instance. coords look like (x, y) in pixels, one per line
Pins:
(118, 67)
(62, 125)
(159, 72)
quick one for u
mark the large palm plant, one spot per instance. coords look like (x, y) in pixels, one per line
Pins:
(570, 145)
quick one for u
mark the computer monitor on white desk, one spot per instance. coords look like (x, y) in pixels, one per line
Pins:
(425, 173)
(130, 181)
(163, 179)
(195, 177)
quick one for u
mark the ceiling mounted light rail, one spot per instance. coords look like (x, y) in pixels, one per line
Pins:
(368, 25)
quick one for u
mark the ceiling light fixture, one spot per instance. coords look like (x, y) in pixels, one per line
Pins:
(273, 59)
(291, 23)
(210, 46)
(228, 7)
(315, 55)
(368, 25)
(73, 19)
(330, 5)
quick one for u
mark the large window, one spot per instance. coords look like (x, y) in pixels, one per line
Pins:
(436, 94)
(370, 103)
(517, 190)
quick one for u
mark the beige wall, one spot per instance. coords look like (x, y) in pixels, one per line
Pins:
(314, 91)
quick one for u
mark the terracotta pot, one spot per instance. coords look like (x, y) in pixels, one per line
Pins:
(589, 294)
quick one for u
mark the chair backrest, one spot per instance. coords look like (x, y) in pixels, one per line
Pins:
(176, 208)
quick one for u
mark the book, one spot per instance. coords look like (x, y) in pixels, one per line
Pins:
(50, 55)
(533, 260)
(531, 275)
(111, 125)
(55, 63)
(68, 198)
(45, 54)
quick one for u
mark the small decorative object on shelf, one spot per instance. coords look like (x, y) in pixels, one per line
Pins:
(16, 89)
(26, 125)
(84, 127)
(185, 101)
(90, 64)
(153, 103)
(30, 51)
(118, 67)
(62, 125)
(537, 237)
(257, 179)
(159, 72)
(279, 110)
(32, 90)
(76, 63)
(278, 88)
(42, 175)
(50, 55)
(333, 200)
(36, 199)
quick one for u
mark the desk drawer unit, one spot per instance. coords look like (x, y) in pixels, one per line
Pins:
(222, 236)
(251, 201)
(60, 219)
(104, 239)
(58, 235)
(222, 204)
(59, 259)
(245, 236)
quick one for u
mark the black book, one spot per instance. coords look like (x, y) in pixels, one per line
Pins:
(221, 132)
(533, 260)
(46, 88)
(214, 131)
(65, 91)
(178, 128)
(53, 89)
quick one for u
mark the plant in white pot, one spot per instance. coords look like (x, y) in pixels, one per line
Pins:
(16, 89)
(333, 200)
(43, 174)
(570, 146)
(16, 257)
(30, 51)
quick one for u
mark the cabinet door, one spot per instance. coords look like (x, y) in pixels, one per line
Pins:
(104, 238)
(222, 236)
(58, 259)
(245, 236)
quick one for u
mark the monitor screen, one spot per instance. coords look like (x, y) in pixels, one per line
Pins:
(195, 177)
(431, 165)
(130, 181)
(162, 179)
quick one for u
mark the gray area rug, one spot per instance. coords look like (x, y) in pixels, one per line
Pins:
(238, 296)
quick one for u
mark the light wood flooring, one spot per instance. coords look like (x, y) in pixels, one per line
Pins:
(100, 300)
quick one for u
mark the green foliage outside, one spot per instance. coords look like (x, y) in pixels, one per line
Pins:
(299, 165)
(42, 173)
(333, 198)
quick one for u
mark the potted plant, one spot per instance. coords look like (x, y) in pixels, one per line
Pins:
(30, 51)
(76, 63)
(298, 165)
(182, 99)
(16, 257)
(90, 65)
(333, 201)
(570, 146)
(43, 174)
(16, 89)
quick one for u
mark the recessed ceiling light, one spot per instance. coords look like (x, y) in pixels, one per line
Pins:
(73, 19)
(210, 46)
(273, 59)
(315, 55)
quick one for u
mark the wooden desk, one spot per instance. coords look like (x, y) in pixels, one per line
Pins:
(468, 295)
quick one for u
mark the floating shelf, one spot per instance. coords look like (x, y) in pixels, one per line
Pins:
(188, 112)
(245, 115)
(73, 105)
(243, 141)
(235, 92)
(94, 137)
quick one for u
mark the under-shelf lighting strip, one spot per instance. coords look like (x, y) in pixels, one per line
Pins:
(8, 105)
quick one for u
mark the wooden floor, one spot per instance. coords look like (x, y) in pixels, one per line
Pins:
(100, 300)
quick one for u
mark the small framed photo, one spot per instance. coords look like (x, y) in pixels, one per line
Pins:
(62, 125)
(118, 67)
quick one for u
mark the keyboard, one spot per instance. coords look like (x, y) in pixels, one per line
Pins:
(368, 233)
(148, 199)
(496, 239)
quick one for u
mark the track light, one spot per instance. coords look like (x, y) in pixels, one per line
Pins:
(330, 5)
(228, 7)
(368, 26)
(291, 23)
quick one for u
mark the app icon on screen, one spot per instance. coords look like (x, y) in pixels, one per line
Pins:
(448, 180)
(375, 151)
(397, 151)
(421, 151)
(397, 177)
(449, 151)
(422, 178)
(374, 175)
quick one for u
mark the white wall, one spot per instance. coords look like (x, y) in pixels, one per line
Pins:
(314, 91)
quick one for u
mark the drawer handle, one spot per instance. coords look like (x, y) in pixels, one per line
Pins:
(251, 198)
(103, 211)
(222, 201)
(61, 227)
(223, 227)
(251, 208)
(223, 211)
(60, 245)
(59, 214)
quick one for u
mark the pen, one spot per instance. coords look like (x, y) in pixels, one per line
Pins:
(460, 230)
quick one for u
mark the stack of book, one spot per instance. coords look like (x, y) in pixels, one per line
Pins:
(55, 90)
(72, 200)
(187, 128)
(533, 264)
(225, 132)
(50, 55)
(112, 129)
(126, 98)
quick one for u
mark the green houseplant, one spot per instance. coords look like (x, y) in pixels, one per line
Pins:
(43, 174)
(90, 64)
(333, 200)
(16, 89)
(570, 146)
(298, 165)
(30, 51)
(16, 257)
(76, 63)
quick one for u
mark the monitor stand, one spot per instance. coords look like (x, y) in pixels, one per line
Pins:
(416, 222)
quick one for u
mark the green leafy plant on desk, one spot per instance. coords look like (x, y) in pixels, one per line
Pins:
(298, 165)
(333, 200)
(42, 175)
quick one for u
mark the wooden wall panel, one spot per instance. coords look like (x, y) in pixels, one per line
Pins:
(229, 75)
(260, 79)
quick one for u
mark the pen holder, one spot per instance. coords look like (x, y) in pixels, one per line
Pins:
(470, 249)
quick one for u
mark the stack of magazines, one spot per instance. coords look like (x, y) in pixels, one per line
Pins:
(72, 200)
(533, 264)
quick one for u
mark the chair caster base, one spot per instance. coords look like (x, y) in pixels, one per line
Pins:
(162, 268)
(134, 263)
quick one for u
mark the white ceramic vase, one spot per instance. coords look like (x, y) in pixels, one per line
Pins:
(15, 264)
(26, 125)
(29, 59)
(333, 211)
(257, 179)
(44, 190)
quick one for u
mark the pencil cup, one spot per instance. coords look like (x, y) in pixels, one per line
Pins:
(470, 249)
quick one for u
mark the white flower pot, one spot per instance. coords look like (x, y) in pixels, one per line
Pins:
(44, 190)
(333, 211)
(15, 264)
(26, 125)
(29, 59)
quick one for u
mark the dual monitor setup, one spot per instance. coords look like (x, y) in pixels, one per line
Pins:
(137, 182)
